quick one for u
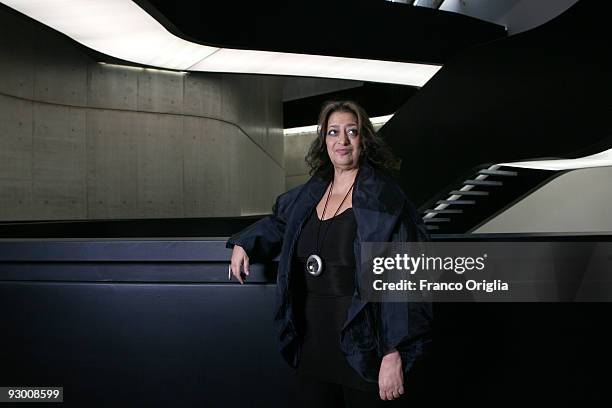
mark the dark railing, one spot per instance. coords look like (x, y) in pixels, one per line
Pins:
(155, 322)
(139, 322)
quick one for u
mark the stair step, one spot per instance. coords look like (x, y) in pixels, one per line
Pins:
(498, 172)
(461, 202)
(469, 192)
(436, 219)
(482, 183)
(446, 211)
(432, 227)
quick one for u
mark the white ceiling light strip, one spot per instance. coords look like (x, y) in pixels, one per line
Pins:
(300, 129)
(121, 29)
(282, 63)
(600, 159)
(118, 28)
(378, 120)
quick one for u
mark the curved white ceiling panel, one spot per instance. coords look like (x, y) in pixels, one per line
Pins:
(118, 28)
(121, 29)
(601, 159)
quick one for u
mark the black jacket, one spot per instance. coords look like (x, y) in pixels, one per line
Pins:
(383, 213)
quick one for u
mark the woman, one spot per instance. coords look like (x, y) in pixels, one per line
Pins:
(342, 347)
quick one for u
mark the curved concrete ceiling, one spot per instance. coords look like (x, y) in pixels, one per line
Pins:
(121, 29)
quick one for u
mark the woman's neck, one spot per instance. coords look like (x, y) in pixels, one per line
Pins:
(344, 178)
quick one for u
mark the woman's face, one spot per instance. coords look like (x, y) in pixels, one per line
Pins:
(343, 140)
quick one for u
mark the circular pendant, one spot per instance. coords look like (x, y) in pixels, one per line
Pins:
(314, 265)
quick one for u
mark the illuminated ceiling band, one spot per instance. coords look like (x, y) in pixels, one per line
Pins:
(121, 29)
(376, 121)
(601, 159)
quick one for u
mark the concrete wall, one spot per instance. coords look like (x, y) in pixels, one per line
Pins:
(296, 148)
(578, 201)
(299, 87)
(82, 140)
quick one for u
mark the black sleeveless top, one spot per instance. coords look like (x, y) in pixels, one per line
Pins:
(323, 301)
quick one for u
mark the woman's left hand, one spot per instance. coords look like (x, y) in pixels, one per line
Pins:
(391, 377)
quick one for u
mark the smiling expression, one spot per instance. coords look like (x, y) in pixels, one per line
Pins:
(343, 140)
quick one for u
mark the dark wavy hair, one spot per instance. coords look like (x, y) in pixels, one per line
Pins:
(373, 147)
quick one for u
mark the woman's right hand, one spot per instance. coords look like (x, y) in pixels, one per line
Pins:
(240, 259)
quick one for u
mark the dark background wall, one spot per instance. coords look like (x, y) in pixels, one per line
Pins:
(542, 93)
(374, 29)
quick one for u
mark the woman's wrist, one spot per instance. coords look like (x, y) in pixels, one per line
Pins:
(391, 354)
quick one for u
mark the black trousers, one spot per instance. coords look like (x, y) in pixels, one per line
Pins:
(320, 394)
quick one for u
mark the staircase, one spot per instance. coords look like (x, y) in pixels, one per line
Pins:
(486, 192)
